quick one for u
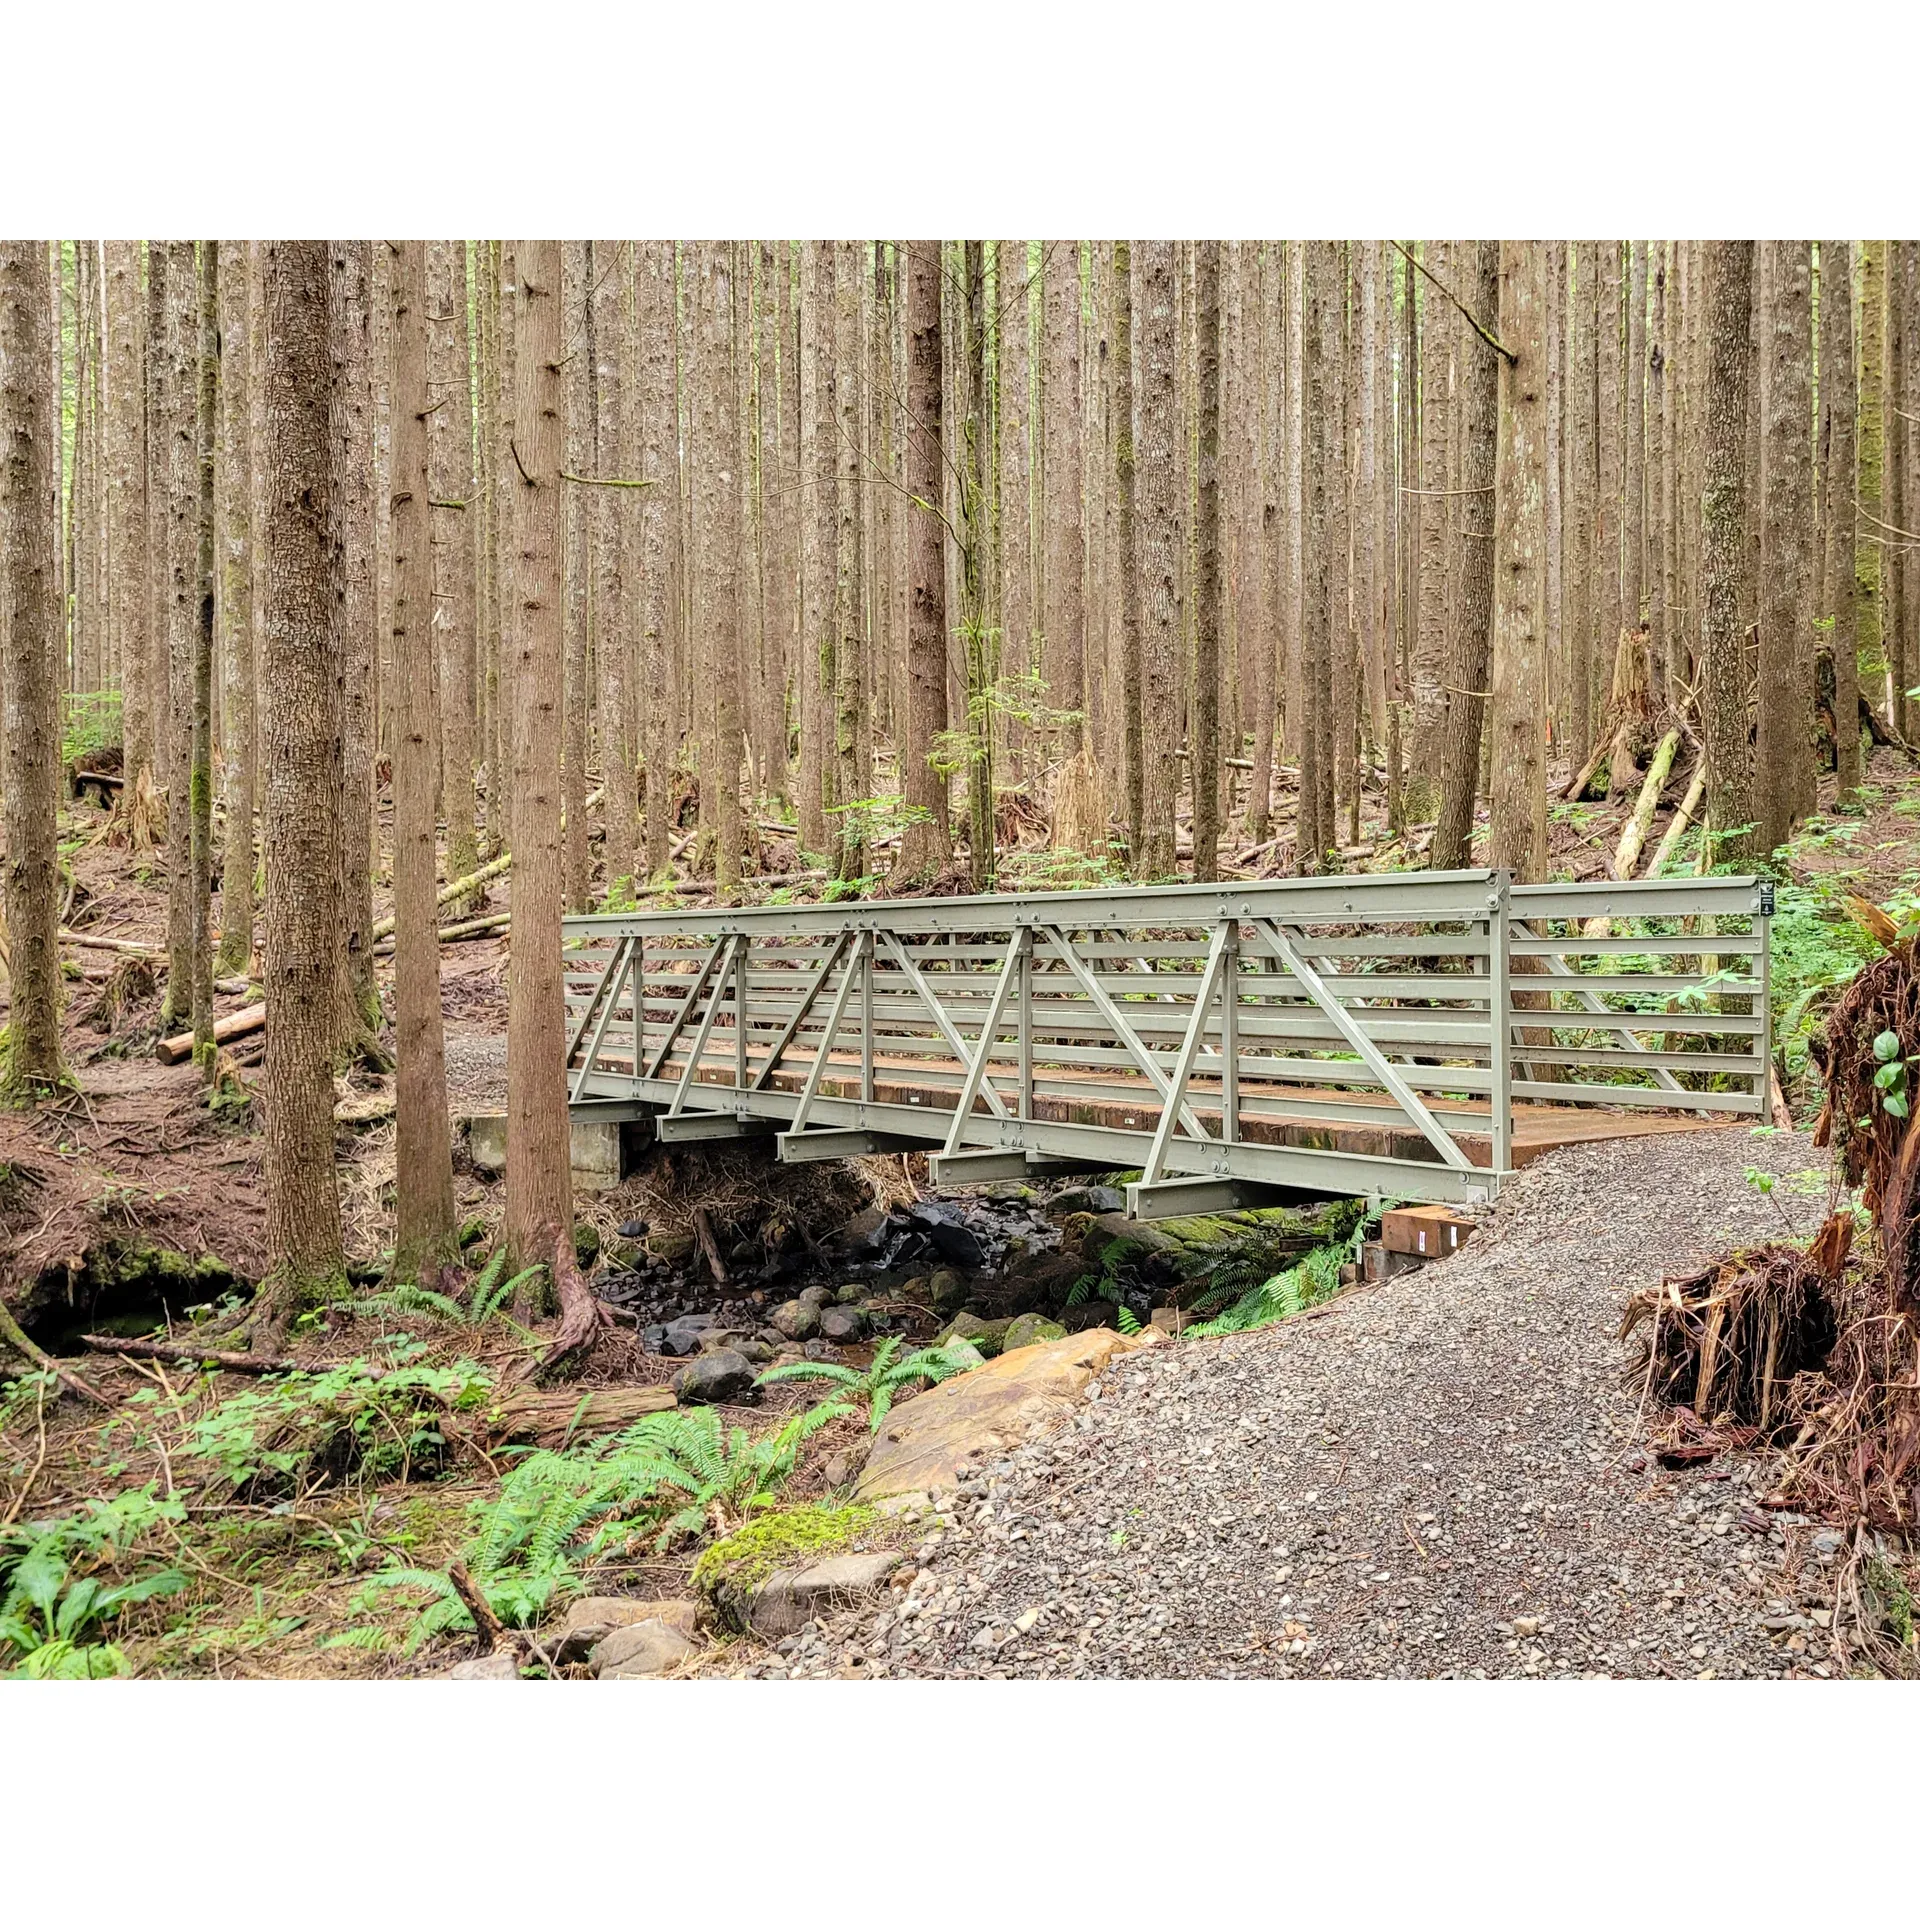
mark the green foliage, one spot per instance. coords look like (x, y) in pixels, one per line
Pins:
(882, 1380)
(776, 1540)
(666, 1478)
(1129, 1320)
(1312, 1280)
(93, 722)
(353, 1423)
(56, 1590)
(489, 1296)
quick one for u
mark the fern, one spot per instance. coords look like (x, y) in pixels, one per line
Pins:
(1314, 1279)
(489, 1296)
(883, 1379)
(1129, 1321)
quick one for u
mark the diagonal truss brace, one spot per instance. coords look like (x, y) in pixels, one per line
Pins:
(1122, 1028)
(793, 1026)
(1219, 948)
(828, 1034)
(941, 1019)
(687, 1006)
(977, 1066)
(1383, 1069)
(614, 978)
(722, 953)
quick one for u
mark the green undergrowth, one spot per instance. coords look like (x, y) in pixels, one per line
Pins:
(1305, 1284)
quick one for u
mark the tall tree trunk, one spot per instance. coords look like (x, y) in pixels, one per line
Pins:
(610, 509)
(127, 531)
(200, 763)
(1014, 463)
(1517, 832)
(1870, 470)
(1204, 746)
(425, 1237)
(154, 732)
(1784, 742)
(717, 489)
(925, 844)
(1128, 561)
(1583, 468)
(538, 1226)
(30, 1064)
(1320, 367)
(1608, 543)
(1157, 534)
(301, 754)
(849, 627)
(577, 347)
(1723, 508)
(353, 509)
(659, 539)
(1467, 662)
(1633, 520)
(1065, 506)
(236, 603)
(1437, 322)
(180, 499)
(453, 519)
(819, 537)
(1837, 437)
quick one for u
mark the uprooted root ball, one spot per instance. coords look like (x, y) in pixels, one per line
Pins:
(1725, 1342)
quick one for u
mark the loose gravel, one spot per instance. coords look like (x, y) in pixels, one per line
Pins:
(1442, 1476)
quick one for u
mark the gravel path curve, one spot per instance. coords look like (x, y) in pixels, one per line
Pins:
(1437, 1478)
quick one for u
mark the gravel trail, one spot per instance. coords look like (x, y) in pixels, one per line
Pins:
(1437, 1478)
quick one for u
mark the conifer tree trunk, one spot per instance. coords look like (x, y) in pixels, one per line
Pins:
(200, 765)
(720, 290)
(1157, 536)
(180, 497)
(301, 760)
(819, 540)
(576, 569)
(1633, 521)
(1430, 648)
(611, 511)
(30, 634)
(1785, 733)
(1608, 543)
(1468, 659)
(425, 1238)
(1065, 624)
(1014, 464)
(1128, 559)
(1517, 831)
(659, 538)
(352, 503)
(1583, 467)
(1723, 507)
(1837, 436)
(1318, 368)
(1204, 744)
(1895, 551)
(236, 604)
(453, 518)
(1870, 472)
(538, 1226)
(925, 844)
(151, 732)
(850, 783)
(127, 497)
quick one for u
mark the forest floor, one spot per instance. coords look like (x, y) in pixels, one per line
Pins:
(131, 1203)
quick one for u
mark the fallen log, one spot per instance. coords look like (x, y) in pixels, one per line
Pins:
(548, 1418)
(104, 945)
(179, 1046)
(1681, 820)
(462, 930)
(208, 1356)
(453, 890)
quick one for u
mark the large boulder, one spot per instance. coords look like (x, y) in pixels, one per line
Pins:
(598, 1616)
(947, 1290)
(722, 1375)
(646, 1647)
(986, 1413)
(682, 1336)
(1087, 1200)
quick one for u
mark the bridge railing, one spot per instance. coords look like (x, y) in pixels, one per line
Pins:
(1324, 1036)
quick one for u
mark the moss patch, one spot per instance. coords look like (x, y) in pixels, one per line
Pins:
(760, 1549)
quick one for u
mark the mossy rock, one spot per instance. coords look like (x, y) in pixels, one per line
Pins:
(586, 1243)
(733, 1569)
(1029, 1329)
(987, 1335)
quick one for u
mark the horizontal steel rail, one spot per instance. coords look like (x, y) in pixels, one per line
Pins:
(1367, 1034)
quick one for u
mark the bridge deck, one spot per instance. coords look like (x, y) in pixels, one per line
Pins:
(1400, 1035)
